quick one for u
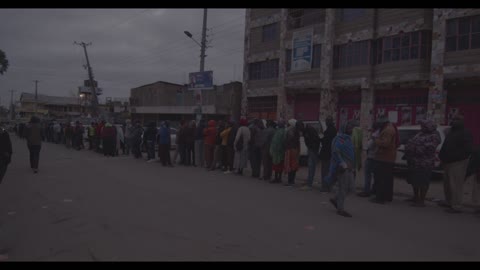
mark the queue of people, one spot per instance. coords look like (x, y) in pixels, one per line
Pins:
(273, 150)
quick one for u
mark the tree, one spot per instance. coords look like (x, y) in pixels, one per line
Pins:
(3, 62)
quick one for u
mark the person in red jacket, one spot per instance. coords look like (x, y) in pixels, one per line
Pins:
(108, 136)
(209, 134)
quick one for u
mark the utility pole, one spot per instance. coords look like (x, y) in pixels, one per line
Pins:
(36, 96)
(11, 104)
(204, 41)
(90, 76)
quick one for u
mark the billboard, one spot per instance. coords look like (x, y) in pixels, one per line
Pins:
(200, 80)
(302, 50)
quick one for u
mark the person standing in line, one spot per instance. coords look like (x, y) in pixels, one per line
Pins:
(182, 141)
(342, 167)
(69, 135)
(292, 150)
(225, 150)
(454, 155)
(255, 147)
(277, 151)
(312, 141)
(128, 136)
(164, 144)
(267, 136)
(326, 151)
(120, 140)
(199, 144)
(230, 147)
(357, 140)
(217, 152)
(385, 156)
(98, 136)
(33, 134)
(5, 152)
(108, 138)
(369, 163)
(190, 144)
(209, 135)
(242, 139)
(149, 140)
(57, 129)
(420, 155)
(91, 135)
(137, 140)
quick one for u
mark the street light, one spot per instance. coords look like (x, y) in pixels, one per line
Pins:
(191, 36)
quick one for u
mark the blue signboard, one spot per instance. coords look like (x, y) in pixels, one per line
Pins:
(200, 80)
(302, 50)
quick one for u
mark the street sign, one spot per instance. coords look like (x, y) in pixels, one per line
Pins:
(200, 80)
(302, 50)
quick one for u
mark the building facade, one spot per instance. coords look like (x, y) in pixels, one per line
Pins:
(406, 64)
(49, 106)
(174, 102)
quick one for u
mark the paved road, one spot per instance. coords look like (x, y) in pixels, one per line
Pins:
(83, 206)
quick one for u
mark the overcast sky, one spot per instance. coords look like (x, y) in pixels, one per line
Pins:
(130, 48)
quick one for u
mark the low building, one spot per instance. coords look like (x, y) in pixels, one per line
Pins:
(49, 106)
(174, 102)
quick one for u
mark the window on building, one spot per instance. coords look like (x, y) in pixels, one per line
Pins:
(413, 45)
(300, 17)
(288, 60)
(270, 32)
(263, 70)
(463, 34)
(351, 54)
(317, 55)
(350, 14)
(262, 107)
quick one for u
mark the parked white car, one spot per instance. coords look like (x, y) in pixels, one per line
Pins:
(406, 133)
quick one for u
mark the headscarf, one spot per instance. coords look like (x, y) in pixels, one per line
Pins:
(342, 151)
(281, 123)
(292, 122)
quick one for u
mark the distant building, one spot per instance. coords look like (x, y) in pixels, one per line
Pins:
(49, 106)
(174, 102)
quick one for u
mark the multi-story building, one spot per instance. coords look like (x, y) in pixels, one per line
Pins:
(360, 63)
(174, 102)
(50, 106)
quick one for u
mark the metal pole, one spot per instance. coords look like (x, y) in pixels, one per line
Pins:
(36, 96)
(90, 76)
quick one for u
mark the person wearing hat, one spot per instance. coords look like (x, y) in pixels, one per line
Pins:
(242, 138)
(385, 155)
(454, 155)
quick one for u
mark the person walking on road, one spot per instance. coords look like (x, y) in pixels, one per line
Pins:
(454, 155)
(342, 167)
(292, 150)
(420, 155)
(277, 151)
(326, 151)
(386, 143)
(242, 139)
(33, 134)
(312, 141)
(5, 152)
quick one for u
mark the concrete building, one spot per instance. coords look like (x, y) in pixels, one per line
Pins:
(403, 63)
(168, 101)
(49, 106)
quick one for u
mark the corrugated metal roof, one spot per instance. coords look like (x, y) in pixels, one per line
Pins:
(49, 100)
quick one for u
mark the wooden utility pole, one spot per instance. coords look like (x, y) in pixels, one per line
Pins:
(12, 113)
